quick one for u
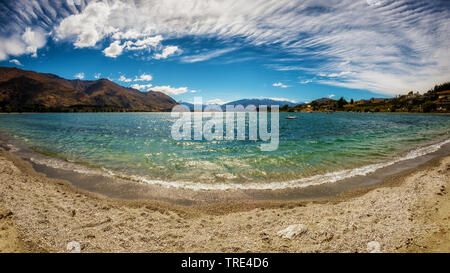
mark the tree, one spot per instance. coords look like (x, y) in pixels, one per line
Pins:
(341, 102)
(429, 106)
(284, 108)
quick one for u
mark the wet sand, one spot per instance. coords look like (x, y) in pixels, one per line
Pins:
(407, 212)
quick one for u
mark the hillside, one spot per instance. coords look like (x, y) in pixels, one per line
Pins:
(257, 102)
(436, 100)
(28, 91)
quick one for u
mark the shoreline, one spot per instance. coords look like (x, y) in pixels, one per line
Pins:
(131, 189)
(49, 213)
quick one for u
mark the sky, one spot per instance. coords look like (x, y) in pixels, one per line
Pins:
(232, 49)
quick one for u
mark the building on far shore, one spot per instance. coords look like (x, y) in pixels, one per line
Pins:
(443, 102)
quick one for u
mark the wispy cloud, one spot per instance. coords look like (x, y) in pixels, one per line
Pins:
(335, 75)
(279, 84)
(390, 46)
(305, 81)
(206, 56)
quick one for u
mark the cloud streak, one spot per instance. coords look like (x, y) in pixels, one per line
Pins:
(206, 55)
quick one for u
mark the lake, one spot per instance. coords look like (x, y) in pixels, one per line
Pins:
(315, 148)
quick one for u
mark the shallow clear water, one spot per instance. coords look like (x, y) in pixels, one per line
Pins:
(139, 145)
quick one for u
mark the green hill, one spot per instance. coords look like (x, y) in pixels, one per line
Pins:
(436, 100)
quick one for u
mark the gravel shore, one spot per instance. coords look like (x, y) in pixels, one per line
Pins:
(407, 213)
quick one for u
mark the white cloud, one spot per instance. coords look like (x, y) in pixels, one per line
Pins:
(34, 39)
(147, 43)
(282, 99)
(279, 84)
(331, 96)
(79, 76)
(122, 78)
(143, 77)
(142, 87)
(167, 89)
(89, 26)
(16, 62)
(167, 51)
(114, 49)
(27, 43)
(97, 75)
(206, 56)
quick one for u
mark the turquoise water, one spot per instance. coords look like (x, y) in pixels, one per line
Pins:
(326, 147)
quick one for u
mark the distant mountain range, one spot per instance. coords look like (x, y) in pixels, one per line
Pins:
(246, 102)
(28, 91)
(256, 102)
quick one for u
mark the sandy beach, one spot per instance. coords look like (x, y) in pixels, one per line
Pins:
(408, 212)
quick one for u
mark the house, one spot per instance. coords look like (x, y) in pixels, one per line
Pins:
(443, 102)
(444, 94)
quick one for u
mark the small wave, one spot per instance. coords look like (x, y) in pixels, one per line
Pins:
(58, 163)
(331, 177)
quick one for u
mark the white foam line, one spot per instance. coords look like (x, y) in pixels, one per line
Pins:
(331, 177)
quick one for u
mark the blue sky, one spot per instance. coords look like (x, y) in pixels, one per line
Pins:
(228, 50)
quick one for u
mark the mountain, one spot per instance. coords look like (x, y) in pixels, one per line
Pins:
(257, 102)
(323, 101)
(246, 102)
(30, 91)
(189, 105)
